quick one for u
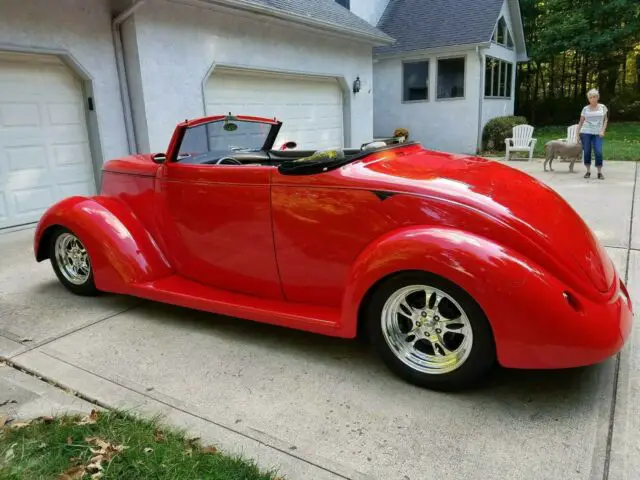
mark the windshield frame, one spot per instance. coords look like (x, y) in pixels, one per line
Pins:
(178, 137)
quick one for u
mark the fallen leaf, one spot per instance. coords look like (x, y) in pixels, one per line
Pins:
(18, 425)
(148, 450)
(26, 340)
(96, 464)
(9, 454)
(4, 419)
(73, 473)
(188, 452)
(158, 435)
(42, 445)
(209, 449)
(192, 442)
(98, 442)
(89, 419)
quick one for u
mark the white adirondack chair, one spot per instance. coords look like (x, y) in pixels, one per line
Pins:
(572, 134)
(572, 137)
(521, 141)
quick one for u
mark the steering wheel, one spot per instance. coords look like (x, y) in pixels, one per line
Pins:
(228, 161)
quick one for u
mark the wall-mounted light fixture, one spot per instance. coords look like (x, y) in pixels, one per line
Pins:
(356, 85)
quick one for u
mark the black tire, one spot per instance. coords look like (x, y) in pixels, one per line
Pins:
(481, 357)
(88, 287)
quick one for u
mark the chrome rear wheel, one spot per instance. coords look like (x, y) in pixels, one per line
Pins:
(427, 329)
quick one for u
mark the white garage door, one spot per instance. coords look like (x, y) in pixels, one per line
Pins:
(310, 108)
(44, 147)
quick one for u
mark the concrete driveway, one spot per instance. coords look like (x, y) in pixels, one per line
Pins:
(326, 408)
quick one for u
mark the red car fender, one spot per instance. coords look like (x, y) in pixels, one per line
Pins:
(530, 317)
(120, 248)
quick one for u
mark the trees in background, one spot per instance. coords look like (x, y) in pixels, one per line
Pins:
(575, 45)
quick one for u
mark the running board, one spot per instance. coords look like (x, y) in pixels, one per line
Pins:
(182, 292)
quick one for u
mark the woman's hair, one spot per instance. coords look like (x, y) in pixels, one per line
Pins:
(593, 93)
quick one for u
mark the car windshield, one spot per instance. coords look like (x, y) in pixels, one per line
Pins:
(224, 136)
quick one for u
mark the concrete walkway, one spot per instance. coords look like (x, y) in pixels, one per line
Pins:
(323, 408)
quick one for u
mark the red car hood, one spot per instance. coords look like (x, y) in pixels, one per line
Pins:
(503, 192)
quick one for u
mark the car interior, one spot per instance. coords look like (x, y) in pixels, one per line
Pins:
(278, 157)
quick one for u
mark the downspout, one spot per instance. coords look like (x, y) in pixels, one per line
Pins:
(122, 73)
(480, 99)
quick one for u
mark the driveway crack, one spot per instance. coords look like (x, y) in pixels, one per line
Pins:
(616, 372)
(71, 331)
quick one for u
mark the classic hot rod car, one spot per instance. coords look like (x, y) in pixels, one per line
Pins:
(448, 264)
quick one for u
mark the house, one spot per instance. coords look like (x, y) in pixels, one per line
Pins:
(83, 81)
(451, 69)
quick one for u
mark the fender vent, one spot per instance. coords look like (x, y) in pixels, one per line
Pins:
(383, 195)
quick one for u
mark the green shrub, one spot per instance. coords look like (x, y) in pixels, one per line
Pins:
(625, 106)
(497, 129)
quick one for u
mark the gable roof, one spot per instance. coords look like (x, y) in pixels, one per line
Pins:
(423, 24)
(327, 14)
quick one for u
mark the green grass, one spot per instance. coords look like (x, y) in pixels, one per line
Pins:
(621, 142)
(47, 449)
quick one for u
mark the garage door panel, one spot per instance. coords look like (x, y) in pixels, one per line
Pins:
(71, 189)
(65, 114)
(20, 115)
(4, 212)
(25, 158)
(310, 108)
(71, 154)
(44, 145)
(32, 200)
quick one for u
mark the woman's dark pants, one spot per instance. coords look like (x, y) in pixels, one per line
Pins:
(591, 142)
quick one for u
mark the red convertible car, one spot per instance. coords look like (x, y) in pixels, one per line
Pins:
(449, 264)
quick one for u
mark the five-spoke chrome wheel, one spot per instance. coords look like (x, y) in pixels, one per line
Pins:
(427, 329)
(72, 258)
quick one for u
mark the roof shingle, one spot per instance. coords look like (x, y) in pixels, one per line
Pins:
(326, 11)
(423, 24)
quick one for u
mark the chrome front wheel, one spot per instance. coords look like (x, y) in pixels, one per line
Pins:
(72, 258)
(71, 262)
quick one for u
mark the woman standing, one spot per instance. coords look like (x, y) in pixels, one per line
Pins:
(592, 126)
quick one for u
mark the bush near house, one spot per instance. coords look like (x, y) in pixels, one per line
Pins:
(497, 129)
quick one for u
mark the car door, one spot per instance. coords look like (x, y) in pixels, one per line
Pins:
(216, 222)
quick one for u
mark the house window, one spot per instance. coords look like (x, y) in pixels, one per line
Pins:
(415, 79)
(344, 3)
(502, 35)
(498, 76)
(451, 77)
